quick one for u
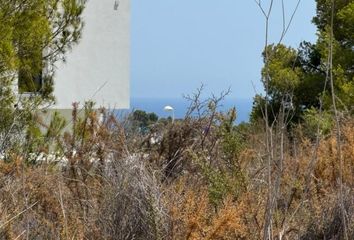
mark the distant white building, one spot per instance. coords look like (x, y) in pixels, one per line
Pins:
(98, 68)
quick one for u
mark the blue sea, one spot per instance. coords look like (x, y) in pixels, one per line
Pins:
(180, 105)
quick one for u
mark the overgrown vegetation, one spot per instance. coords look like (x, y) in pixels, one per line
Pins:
(288, 174)
(192, 183)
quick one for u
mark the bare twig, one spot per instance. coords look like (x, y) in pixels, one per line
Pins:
(338, 127)
(17, 215)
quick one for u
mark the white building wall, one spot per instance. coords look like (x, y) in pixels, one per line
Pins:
(98, 68)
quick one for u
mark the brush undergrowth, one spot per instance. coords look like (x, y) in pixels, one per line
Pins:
(201, 178)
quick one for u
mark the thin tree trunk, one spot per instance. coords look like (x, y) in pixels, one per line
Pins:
(338, 129)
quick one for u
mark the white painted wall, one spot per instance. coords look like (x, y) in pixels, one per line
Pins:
(98, 68)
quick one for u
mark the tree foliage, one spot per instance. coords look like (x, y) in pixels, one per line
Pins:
(34, 34)
(298, 78)
(142, 120)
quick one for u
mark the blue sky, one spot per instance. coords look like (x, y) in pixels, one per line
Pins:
(179, 44)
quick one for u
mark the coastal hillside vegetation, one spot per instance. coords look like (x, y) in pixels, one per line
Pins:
(288, 173)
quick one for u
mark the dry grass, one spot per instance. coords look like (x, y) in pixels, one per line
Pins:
(194, 217)
(114, 187)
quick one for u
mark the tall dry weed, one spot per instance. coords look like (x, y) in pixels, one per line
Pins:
(193, 216)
